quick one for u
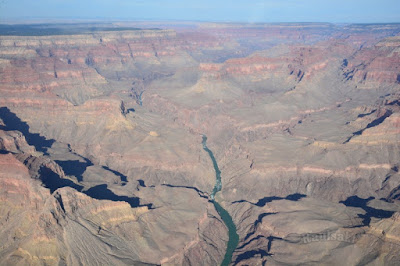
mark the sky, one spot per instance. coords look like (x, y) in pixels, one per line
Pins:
(337, 11)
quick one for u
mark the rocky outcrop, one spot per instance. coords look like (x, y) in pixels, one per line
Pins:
(14, 141)
(101, 156)
(376, 66)
(46, 228)
(282, 230)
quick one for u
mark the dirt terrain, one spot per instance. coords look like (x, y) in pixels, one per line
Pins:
(101, 156)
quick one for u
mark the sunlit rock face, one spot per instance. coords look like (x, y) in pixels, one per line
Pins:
(101, 156)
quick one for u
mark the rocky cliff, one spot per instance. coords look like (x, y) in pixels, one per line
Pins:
(102, 162)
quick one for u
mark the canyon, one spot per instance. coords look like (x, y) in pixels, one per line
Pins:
(112, 136)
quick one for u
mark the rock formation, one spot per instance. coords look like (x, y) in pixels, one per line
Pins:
(101, 157)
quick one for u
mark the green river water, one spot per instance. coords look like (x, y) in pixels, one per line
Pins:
(225, 216)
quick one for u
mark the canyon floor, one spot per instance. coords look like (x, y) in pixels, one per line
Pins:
(101, 154)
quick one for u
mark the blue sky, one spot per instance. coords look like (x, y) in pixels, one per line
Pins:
(207, 10)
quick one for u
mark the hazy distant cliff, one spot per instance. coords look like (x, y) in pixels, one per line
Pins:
(101, 158)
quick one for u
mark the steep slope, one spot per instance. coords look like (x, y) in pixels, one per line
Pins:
(102, 159)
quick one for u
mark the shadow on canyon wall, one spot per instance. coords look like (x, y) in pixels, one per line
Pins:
(52, 180)
(355, 201)
(263, 201)
(13, 122)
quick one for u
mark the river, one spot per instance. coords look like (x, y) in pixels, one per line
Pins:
(225, 216)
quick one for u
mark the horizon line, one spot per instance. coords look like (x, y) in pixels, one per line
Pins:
(54, 20)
